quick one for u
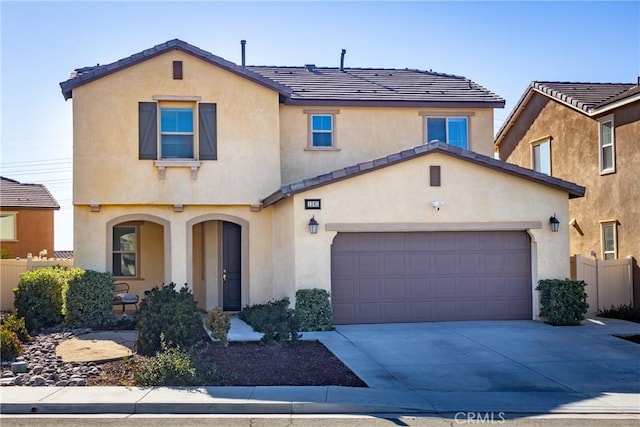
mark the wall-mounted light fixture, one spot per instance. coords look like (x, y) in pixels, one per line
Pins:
(555, 223)
(313, 225)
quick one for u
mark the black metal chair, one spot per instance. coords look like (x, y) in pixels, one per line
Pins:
(122, 295)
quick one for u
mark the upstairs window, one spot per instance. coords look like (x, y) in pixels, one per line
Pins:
(125, 251)
(609, 240)
(321, 131)
(541, 156)
(176, 133)
(8, 226)
(607, 146)
(451, 130)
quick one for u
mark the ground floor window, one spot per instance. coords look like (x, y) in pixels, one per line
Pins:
(8, 226)
(609, 240)
(125, 251)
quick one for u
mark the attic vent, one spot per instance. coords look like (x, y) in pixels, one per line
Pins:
(434, 176)
(310, 67)
(177, 70)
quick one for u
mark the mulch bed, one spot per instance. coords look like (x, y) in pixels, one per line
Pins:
(249, 363)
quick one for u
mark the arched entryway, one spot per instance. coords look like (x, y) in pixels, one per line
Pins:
(218, 247)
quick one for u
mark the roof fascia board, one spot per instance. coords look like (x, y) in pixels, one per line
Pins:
(513, 116)
(615, 105)
(407, 104)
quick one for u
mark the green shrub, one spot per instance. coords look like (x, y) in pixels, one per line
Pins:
(563, 302)
(174, 314)
(5, 253)
(623, 312)
(275, 320)
(10, 346)
(219, 323)
(88, 299)
(313, 308)
(173, 367)
(15, 324)
(38, 297)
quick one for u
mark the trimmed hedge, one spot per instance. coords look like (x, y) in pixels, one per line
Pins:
(313, 308)
(219, 323)
(563, 302)
(88, 299)
(275, 320)
(170, 313)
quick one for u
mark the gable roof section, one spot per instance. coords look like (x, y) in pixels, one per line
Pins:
(587, 98)
(363, 86)
(16, 195)
(288, 190)
(84, 75)
(312, 85)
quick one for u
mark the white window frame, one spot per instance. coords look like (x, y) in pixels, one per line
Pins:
(609, 253)
(194, 114)
(539, 143)
(609, 145)
(312, 113)
(14, 234)
(426, 115)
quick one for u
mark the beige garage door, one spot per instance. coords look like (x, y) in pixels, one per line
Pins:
(430, 276)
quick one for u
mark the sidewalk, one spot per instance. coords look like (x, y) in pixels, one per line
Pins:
(386, 394)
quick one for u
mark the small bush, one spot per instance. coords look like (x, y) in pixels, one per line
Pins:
(38, 297)
(313, 308)
(10, 347)
(219, 323)
(173, 367)
(88, 299)
(275, 320)
(15, 324)
(174, 314)
(623, 312)
(5, 253)
(563, 302)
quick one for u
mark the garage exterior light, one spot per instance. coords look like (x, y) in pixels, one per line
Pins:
(555, 223)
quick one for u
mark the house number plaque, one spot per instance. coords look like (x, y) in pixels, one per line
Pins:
(312, 203)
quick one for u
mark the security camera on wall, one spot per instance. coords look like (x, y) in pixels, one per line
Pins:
(437, 204)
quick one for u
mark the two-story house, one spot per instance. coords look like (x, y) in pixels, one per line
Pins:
(586, 133)
(250, 182)
(26, 219)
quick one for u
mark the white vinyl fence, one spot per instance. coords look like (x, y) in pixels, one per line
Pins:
(11, 269)
(609, 283)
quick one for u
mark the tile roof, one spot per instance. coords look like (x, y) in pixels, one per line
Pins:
(362, 85)
(286, 191)
(310, 85)
(14, 194)
(587, 98)
(63, 254)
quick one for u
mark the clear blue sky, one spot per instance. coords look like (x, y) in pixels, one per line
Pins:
(500, 45)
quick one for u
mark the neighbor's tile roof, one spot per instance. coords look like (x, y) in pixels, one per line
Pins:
(288, 190)
(63, 254)
(14, 194)
(310, 85)
(584, 96)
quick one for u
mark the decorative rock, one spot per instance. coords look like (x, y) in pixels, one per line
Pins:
(37, 380)
(62, 383)
(7, 381)
(8, 374)
(19, 367)
(37, 370)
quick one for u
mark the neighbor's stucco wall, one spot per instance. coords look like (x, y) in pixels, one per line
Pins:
(364, 134)
(34, 232)
(401, 195)
(575, 158)
(106, 168)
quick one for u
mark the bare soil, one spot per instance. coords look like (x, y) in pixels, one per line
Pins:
(250, 363)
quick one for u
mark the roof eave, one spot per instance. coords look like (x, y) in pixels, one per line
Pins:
(386, 103)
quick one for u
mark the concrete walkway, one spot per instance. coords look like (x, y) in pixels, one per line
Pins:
(513, 367)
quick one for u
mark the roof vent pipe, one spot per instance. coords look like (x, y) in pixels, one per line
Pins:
(344, 51)
(242, 44)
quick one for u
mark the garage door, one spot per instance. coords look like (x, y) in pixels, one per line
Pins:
(430, 276)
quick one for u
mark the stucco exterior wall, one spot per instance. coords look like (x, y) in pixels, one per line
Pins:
(366, 133)
(400, 196)
(575, 158)
(106, 166)
(34, 232)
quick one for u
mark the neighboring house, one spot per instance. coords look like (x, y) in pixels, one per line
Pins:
(26, 218)
(191, 169)
(586, 133)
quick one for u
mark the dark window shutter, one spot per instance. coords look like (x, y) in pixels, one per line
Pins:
(434, 176)
(208, 132)
(147, 131)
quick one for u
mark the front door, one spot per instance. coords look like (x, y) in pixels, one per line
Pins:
(231, 267)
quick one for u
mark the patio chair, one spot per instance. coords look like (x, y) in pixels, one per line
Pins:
(122, 295)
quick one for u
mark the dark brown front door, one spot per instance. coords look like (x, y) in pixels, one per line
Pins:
(231, 267)
(430, 276)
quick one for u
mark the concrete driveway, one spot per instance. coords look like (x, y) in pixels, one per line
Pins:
(496, 355)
